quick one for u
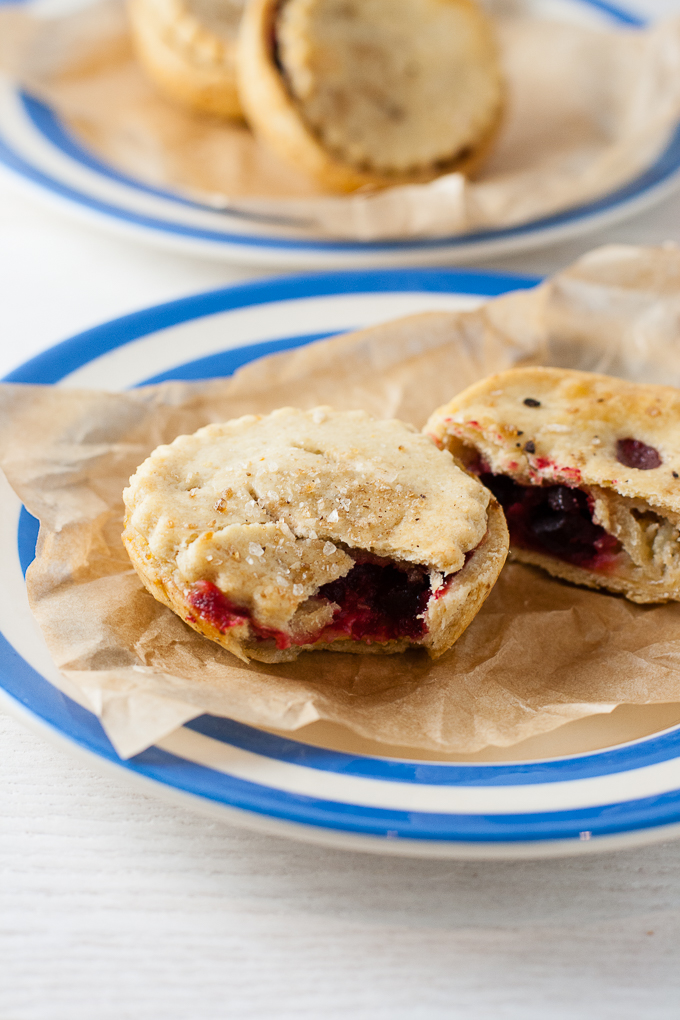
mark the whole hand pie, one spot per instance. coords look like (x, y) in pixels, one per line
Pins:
(587, 469)
(188, 49)
(371, 92)
(314, 530)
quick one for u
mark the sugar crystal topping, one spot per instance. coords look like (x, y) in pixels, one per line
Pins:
(333, 493)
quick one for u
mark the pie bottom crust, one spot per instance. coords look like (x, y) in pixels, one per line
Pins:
(644, 593)
(447, 616)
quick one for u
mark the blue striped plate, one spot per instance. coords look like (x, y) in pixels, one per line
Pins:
(41, 154)
(608, 781)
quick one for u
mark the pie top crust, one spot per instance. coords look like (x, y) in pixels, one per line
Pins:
(393, 86)
(551, 425)
(188, 48)
(266, 507)
(371, 92)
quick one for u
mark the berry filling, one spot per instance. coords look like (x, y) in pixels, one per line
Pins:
(217, 609)
(554, 519)
(376, 601)
(633, 453)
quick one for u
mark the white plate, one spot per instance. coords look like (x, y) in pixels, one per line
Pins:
(38, 151)
(325, 784)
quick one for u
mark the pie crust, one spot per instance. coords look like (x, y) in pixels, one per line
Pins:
(188, 49)
(371, 92)
(587, 468)
(314, 530)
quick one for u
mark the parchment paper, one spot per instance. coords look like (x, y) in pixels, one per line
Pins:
(540, 653)
(587, 110)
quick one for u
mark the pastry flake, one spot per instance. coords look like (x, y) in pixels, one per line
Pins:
(587, 469)
(314, 529)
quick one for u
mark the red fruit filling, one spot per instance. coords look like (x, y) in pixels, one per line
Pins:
(633, 453)
(376, 602)
(217, 609)
(554, 519)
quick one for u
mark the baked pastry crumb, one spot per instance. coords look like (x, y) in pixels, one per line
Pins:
(586, 468)
(314, 530)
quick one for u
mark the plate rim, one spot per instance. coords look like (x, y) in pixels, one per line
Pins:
(659, 814)
(664, 169)
(651, 185)
(452, 850)
(114, 333)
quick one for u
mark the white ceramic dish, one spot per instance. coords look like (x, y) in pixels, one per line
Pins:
(40, 154)
(558, 794)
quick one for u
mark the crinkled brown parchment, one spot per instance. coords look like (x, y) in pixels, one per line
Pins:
(588, 109)
(539, 654)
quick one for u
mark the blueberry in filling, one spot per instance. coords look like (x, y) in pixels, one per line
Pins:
(376, 601)
(634, 453)
(379, 602)
(554, 519)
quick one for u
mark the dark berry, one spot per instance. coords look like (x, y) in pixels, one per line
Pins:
(555, 519)
(633, 453)
(502, 486)
(562, 498)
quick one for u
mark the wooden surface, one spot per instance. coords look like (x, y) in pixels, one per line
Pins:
(115, 906)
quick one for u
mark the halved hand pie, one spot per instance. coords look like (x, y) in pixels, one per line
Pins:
(585, 466)
(318, 529)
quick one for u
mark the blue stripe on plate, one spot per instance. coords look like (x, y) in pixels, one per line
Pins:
(51, 127)
(617, 14)
(227, 362)
(66, 357)
(665, 167)
(47, 703)
(648, 751)
(503, 828)
(27, 538)
(43, 700)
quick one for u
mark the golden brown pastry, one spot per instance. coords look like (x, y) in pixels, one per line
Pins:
(314, 530)
(371, 92)
(188, 49)
(587, 469)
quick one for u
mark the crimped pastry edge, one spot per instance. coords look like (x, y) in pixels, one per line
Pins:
(660, 490)
(452, 613)
(636, 396)
(176, 68)
(273, 114)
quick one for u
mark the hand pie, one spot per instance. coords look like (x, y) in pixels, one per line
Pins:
(371, 92)
(188, 49)
(314, 530)
(586, 468)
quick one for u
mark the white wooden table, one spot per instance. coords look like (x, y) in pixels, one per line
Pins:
(115, 906)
